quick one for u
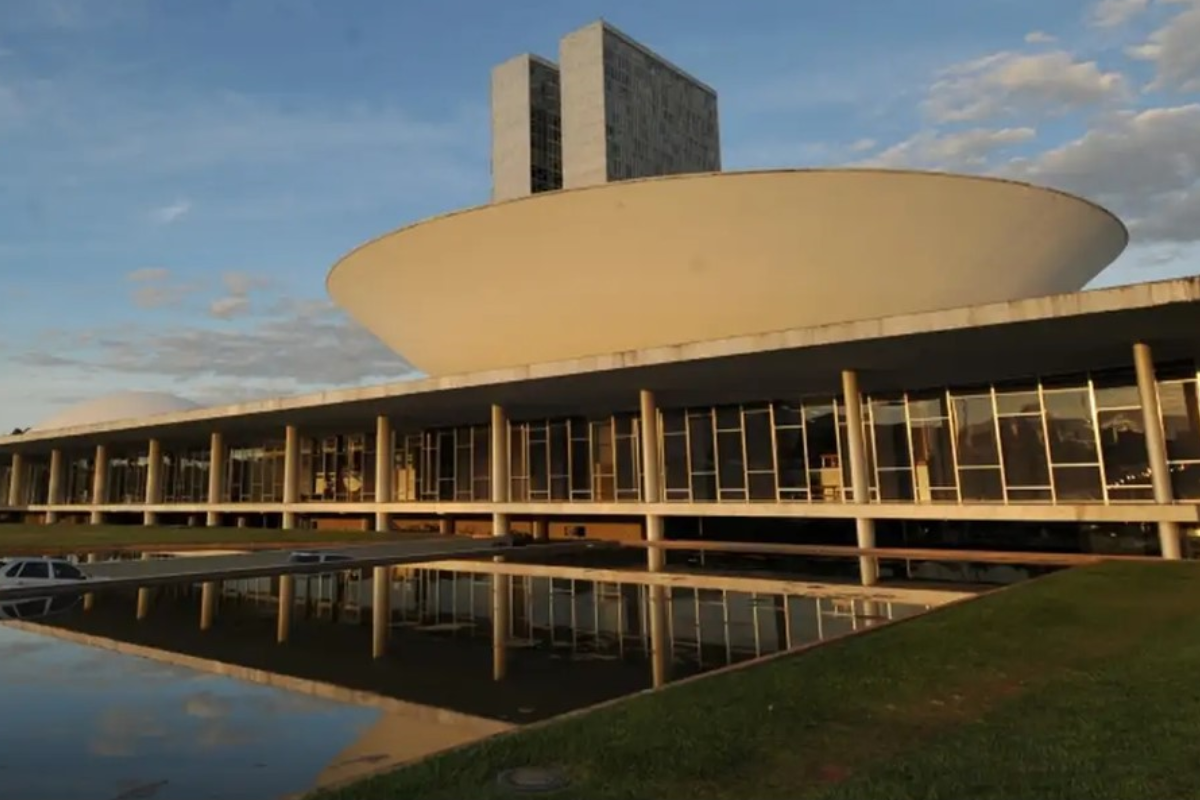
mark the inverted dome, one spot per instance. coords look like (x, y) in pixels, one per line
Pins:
(114, 407)
(668, 261)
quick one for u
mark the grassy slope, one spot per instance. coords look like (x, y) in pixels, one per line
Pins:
(1078, 685)
(27, 538)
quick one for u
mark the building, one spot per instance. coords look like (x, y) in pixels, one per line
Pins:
(526, 128)
(851, 357)
(611, 110)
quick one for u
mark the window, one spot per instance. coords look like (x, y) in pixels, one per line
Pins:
(67, 572)
(35, 570)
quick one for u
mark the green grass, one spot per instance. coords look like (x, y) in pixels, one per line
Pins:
(23, 539)
(1079, 685)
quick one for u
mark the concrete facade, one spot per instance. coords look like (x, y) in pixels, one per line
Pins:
(629, 113)
(526, 128)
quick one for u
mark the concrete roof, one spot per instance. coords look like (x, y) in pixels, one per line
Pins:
(654, 262)
(1049, 335)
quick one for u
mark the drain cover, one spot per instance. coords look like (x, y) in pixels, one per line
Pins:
(532, 780)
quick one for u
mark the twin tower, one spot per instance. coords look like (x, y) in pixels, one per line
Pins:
(610, 110)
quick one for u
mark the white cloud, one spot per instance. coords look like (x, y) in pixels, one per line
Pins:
(1008, 83)
(172, 212)
(1040, 37)
(1144, 164)
(863, 145)
(229, 307)
(240, 284)
(1174, 50)
(1114, 13)
(960, 150)
(148, 274)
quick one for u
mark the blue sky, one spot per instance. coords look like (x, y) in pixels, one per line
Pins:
(179, 176)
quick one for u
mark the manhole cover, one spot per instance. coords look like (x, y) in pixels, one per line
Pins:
(532, 779)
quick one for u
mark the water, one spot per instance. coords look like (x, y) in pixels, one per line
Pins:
(126, 688)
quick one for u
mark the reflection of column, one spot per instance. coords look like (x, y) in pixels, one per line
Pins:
(153, 481)
(208, 604)
(651, 490)
(381, 610)
(291, 474)
(446, 526)
(871, 613)
(99, 483)
(54, 495)
(16, 481)
(1156, 448)
(541, 529)
(500, 469)
(216, 477)
(287, 599)
(385, 458)
(143, 596)
(89, 599)
(500, 626)
(660, 650)
(868, 566)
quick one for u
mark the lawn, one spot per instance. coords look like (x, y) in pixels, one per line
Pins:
(1078, 685)
(18, 539)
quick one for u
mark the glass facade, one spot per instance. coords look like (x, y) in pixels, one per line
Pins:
(1077, 439)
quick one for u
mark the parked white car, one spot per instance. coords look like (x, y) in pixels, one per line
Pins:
(28, 571)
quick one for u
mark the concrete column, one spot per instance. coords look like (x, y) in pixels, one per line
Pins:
(1156, 447)
(381, 610)
(216, 477)
(651, 478)
(54, 495)
(291, 474)
(16, 481)
(385, 460)
(501, 609)
(153, 481)
(868, 566)
(660, 647)
(541, 529)
(99, 483)
(208, 604)
(89, 599)
(501, 462)
(287, 599)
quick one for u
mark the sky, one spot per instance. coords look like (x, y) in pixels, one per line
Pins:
(177, 177)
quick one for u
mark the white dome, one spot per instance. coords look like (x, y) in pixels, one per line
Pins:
(113, 407)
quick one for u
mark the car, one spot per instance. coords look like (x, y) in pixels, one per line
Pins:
(43, 571)
(39, 607)
(316, 557)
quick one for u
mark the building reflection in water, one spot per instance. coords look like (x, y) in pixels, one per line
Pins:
(559, 642)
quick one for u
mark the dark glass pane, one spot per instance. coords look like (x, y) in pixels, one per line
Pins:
(787, 414)
(518, 451)
(762, 486)
(821, 428)
(895, 484)
(1024, 402)
(624, 425)
(975, 431)
(1118, 396)
(1029, 495)
(1127, 494)
(581, 466)
(558, 448)
(481, 453)
(626, 476)
(944, 495)
(758, 442)
(701, 435)
(1069, 422)
(927, 406)
(789, 447)
(462, 467)
(1185, 480)
(891, 433)
(559, 488)
(1077, 483)
(675, 456)
(1123, 444)
(1181, 420)
(729, 418)
(674, 421)
(933, 457)
(704, 487)
(732, 464)
(1024, 444)
(446, 456)
(981, 484)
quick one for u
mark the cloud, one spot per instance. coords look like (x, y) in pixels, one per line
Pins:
(236, 302)
(1174, 50)
(1145, 165)
(173, 212)
(1008, 83)
(229, 307)
(1114, 13)
(959, 150)
(1040, 37)
(148, 274)
(296, 345)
